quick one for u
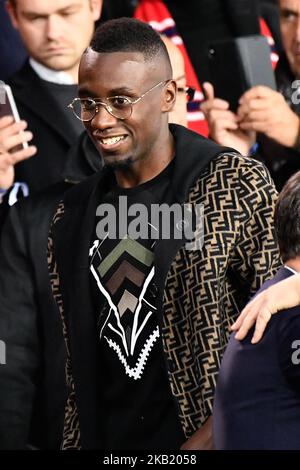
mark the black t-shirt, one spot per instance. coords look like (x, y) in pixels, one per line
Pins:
(139, 410)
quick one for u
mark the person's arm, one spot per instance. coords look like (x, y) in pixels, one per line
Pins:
(202, 439)
(255, 257)
(285, 294)
(223, 123)
(19, 334)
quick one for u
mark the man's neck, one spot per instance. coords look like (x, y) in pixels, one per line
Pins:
(145, 170)
(60, 77)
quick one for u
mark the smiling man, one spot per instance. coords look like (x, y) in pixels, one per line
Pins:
(145, 319)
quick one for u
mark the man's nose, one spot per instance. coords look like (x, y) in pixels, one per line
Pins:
(103, 119)
(54, 27)
(297, 29)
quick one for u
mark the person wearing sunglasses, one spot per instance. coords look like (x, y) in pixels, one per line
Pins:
(185, 94)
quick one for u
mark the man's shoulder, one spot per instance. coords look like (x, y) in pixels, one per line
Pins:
(25, 75)
(235, 160)
(231, 169)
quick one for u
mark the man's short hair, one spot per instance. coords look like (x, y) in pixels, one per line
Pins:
(129, 35)
(287, 218)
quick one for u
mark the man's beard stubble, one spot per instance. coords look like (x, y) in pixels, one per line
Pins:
(123, 165)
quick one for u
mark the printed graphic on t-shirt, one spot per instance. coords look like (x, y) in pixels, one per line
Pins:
(124, 271)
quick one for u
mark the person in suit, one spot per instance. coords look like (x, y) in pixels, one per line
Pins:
(130, 305)
(257, 401)
(55, 35)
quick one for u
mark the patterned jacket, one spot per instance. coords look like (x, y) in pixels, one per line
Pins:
(202, 291)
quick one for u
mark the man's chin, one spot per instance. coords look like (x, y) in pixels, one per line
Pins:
(118, 164)
(58, 62)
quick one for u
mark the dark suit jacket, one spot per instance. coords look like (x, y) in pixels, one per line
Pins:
(52, 132)
(32, 383)
(257, 401)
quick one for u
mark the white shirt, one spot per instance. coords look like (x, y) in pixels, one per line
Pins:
(54, 76)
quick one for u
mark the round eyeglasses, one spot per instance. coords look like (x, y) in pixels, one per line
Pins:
(120, 107)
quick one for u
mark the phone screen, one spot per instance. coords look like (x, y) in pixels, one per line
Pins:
(8, 108)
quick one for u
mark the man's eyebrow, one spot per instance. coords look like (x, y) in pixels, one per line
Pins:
(288, 11)
(122, 91)
(33, 14)
(113, 92)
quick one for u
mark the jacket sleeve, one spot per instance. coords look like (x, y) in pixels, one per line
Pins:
(19, 360)
(256, 254)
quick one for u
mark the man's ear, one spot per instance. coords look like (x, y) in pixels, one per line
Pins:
(96, 7)
(11, 10)
(169, 96)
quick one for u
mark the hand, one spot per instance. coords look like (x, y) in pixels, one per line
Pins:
(201, 439)
(11, 135)
(280, 296)
(265, 110)
(223, 123)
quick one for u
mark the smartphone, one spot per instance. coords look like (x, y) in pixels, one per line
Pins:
(8, 107)
(239, 64)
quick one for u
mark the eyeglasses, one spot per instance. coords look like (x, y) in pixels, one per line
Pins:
(120, 107)
(188, 90)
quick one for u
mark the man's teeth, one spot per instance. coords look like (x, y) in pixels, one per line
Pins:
(112, 140)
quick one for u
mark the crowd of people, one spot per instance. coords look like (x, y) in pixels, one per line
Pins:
(116, 330)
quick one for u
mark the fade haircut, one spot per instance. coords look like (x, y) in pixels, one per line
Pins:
(129, 35)
(287, 218)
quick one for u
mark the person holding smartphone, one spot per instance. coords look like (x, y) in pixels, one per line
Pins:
(271, 116)
(55, 35)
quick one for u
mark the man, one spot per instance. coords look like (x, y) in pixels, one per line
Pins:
(55, 35)
(273, 115)
(145, 317)
(257, 402)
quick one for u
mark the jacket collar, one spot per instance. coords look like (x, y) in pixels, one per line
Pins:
(83, 160)
(189, 159)
(31, 91)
